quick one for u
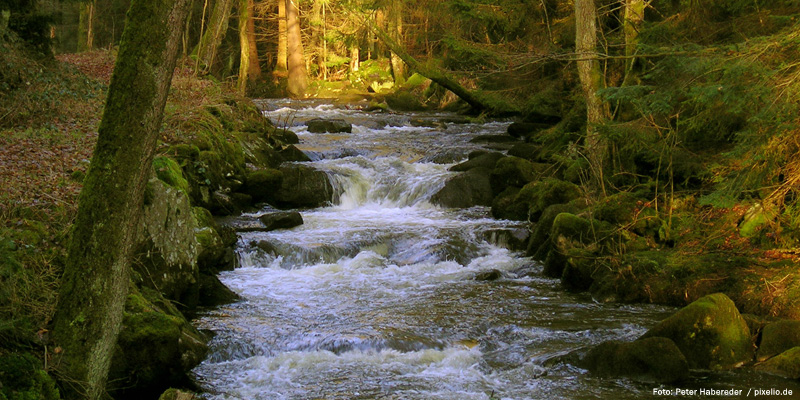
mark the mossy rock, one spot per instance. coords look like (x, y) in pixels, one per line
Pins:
(547, 192)
(778, 337)
(257, 150)
(619, 208)
(183, 152)
(215, 244)
(214, 292)
(263, 184)
(786, 364)
(506, 206)
(487, 159)
(710, 332)
(403, 100)
(21, 378)
(169, 172)
(467, 189)
(539, 243)
(656, 360)
(280, 137)
(529, 151)
(156, 347)
(512, 171)
(176, 394)
(291, 153)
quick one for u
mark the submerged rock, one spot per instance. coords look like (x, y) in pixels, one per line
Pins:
(710, 332)
(653, 359)
(465, 190)
(319, 125)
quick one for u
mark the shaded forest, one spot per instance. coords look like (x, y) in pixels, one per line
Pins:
(668, 129)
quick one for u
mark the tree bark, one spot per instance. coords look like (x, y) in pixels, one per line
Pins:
(396, 32)
(249, 69)
(633, 19)
(281, 68)
(298, 79)
(440, 77)
(96, 276)
(591, 81)
(86, 27)
(209, 44)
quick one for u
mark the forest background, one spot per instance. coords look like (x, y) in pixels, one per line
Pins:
(683, 112)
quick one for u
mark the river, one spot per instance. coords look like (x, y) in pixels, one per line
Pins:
(374, 297)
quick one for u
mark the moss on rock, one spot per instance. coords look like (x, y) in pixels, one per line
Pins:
(512, 171)
(650, 360)
(542, 194)
(710, 332)
(778, 337)
(169, 172)
(786, 364)
(263, 184)
(21, 378)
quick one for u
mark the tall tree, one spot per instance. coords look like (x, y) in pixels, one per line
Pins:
(396, 32)
(281, 68)
(86, 26)
(96, 276)
(632, 25)
(249, 68)
(206, 50)
(591, 79)
(298, 79)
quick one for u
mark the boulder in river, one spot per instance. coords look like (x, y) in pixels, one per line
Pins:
(710, 332)
(512, 171)
(653, 359)
(778, 337)
(304, 186)
(786, 364)
(467, 189)
(291, 153)
(281, 220)
(484, 160)
(320, 125)
(263, 183)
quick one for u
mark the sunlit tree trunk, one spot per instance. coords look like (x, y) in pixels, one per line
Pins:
(249, 69)
(633, 19)
(355, 58)
(396, 31)
(281, 68)
(96, 278)
(298, 80)
(217, 26)
(591, 79)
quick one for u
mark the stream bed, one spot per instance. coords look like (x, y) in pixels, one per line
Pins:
(375, 297)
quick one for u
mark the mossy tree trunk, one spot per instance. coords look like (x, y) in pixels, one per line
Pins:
(86, 26)
(591, 79)
(208, 47)
(632, 25)
(298, 79)
(440, 77)
(96, 277)
(396, 32)
(281, 68)
(249, 68)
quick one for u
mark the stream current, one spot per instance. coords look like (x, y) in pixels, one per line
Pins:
(374, 297)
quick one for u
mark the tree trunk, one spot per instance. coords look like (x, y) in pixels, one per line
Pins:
(298, 82)
(634, 17)
(249, 69)
(281, 68)
(209, 44)
(96, 276)
(591, 80)
(86, 27)
(355, 58)
(473, 99)
(396, 32)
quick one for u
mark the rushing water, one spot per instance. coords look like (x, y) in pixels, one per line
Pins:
(375, 298)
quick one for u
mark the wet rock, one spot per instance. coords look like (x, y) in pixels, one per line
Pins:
(214, 243)
(512, 171)
(156, 348)
(572, 233)
(493, 139)
(514, 239)
(710, 332)
(166, 255)
(778, 337)
(303, 186)
(654, 359)
(428, 123)
(283, 136)
(547, 192)
(214, 293)
(292, 154)
(486, 160)
(786, 364)
(506, 206)
(281, 220)
(262, 184)
(523, 129)
(491, 275)
(528, 151)
(403, 100)
(465, 190)
(539, 244)
(319, 125)
(176, 394)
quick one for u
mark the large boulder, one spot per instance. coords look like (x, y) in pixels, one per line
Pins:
(262, 184)
(778, 337)
(786, 364)
(541, 194)
(155, 349)
(319, 125)
(506, 205)
(529, 151)
(467, 189)
(166, 254)
(710, 332)
(215, 243)
(512, 171)
(653, 359)
(304, 186)
(486, 160)
(539, 243)
(281, 220)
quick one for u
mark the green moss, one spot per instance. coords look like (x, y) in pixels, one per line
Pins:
(542, 194)
(512, 171)
(262, 184)
(23, 379)
(169, 172)
(183, 152)
(786, 364)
